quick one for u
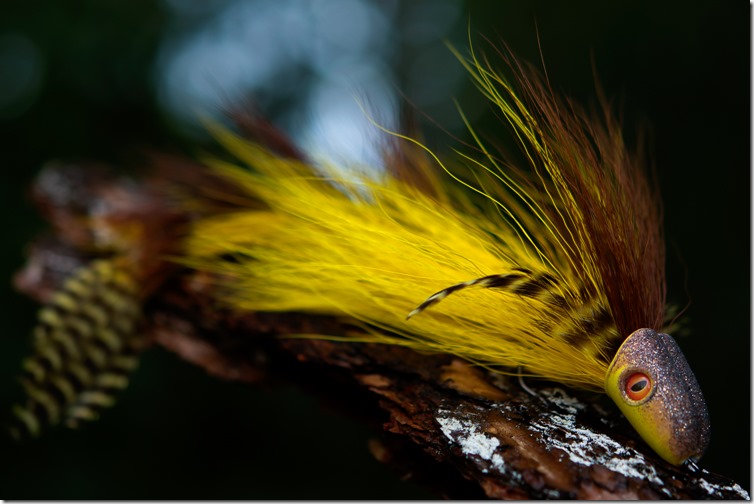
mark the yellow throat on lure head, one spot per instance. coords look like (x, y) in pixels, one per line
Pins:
(561, 264)
(652, 384)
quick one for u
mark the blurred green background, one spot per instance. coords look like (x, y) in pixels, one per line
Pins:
(105, 80)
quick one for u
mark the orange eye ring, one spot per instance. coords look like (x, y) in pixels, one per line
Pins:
(638, 386)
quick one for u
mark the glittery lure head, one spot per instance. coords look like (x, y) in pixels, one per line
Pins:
(652, 384)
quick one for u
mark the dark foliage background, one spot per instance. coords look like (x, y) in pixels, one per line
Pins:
(78, 81)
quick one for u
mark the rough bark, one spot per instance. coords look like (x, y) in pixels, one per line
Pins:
(463, 430)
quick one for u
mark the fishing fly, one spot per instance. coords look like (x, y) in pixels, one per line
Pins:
(554, 265)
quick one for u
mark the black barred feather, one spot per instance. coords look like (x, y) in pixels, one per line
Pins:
(581, 321)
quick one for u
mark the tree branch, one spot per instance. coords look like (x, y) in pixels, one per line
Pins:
(463, 430)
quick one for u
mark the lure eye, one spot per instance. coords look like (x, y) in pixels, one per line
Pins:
(638, 386)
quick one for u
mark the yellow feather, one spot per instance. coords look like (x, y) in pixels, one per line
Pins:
(371, 250)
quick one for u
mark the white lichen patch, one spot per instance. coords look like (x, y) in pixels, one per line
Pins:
(581, 445)
(722, 491)
(586, 447)
(559, 398)
(467, 436)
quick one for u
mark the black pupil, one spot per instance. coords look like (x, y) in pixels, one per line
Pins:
(639, 385)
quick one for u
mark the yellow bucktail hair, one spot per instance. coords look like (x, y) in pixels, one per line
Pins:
(563, 285)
